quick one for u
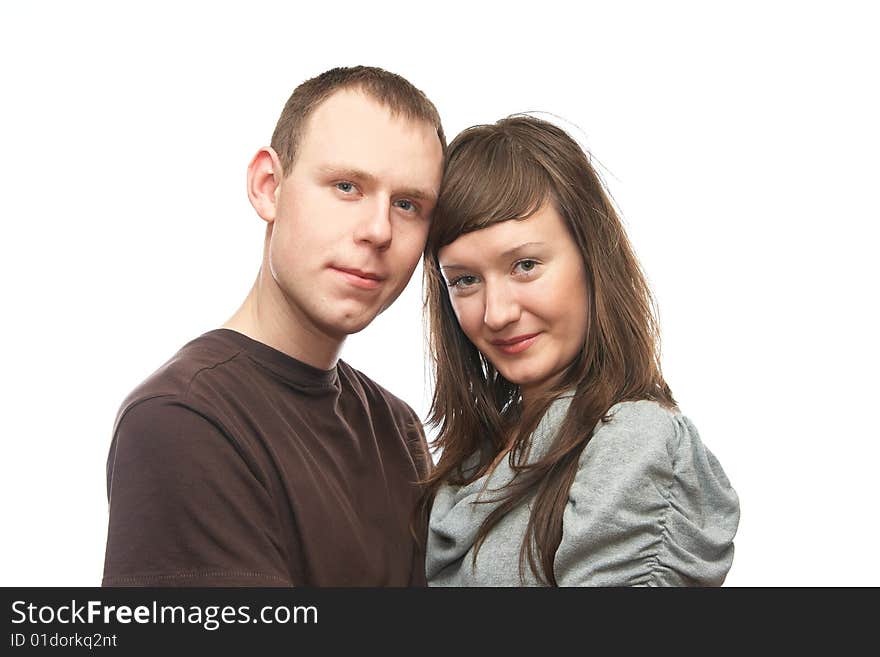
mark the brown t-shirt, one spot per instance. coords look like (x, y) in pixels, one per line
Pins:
(237, 465)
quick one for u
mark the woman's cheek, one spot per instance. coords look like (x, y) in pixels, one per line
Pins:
(468, 315)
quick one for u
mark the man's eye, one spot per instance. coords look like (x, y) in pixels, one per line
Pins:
(403, 204)
(345, 187)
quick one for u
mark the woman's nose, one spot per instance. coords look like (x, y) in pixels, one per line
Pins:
(502, 307)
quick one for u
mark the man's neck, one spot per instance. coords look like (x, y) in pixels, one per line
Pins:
(265, 316)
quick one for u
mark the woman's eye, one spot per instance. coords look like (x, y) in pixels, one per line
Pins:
(526, 266)
(345, 187)
(403, 204)
(463, 281)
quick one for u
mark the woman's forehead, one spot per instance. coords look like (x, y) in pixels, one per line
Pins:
(505, 238)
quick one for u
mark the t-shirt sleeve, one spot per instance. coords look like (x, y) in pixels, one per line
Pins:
(421, 457)
(650, 506)
(187, 508)
(416, 442)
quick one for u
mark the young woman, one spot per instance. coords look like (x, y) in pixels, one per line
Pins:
(565, 460)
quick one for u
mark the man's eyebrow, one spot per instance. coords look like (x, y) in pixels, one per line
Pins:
(421, 194)
(504, 255)
(347, 172)
(351, 173)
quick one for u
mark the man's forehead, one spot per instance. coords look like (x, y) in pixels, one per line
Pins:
(352, 132)
(348, 106)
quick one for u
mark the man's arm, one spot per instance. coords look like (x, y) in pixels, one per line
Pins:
(421, 456)
(187, 508)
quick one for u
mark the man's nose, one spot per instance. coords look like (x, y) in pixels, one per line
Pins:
(374, 227)
(502, 306)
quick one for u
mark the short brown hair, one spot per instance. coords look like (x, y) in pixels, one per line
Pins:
(389, 89)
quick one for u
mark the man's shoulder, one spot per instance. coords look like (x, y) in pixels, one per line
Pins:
(199, 364)
(371, 392)
(375, 397)
(379, 401)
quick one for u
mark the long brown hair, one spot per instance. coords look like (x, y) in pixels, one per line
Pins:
(506, 171)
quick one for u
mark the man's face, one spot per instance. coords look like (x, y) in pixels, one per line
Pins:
(352, 216)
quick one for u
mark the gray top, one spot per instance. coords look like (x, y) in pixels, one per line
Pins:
(649, 506)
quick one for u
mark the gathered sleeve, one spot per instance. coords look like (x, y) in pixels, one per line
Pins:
(650, 506)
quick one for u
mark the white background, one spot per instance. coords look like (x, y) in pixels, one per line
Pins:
(740, 142)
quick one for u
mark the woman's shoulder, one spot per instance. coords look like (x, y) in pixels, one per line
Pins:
(648, 434)
(650, 425)
(642, 414)
(643, 427)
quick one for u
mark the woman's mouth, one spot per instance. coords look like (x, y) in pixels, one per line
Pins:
(515, 345)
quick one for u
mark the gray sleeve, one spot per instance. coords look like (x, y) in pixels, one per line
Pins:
(650, 506)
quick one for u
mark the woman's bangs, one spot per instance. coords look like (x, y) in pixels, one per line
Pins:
(486, 184)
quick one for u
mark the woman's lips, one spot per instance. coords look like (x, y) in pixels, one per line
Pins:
(515, 345)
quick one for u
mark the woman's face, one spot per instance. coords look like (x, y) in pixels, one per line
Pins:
(519, 291)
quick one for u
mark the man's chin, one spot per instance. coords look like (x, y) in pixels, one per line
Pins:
(348, 317)
(358, 328)
(349, 323)
(342, 327)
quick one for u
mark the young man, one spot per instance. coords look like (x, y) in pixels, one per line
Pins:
(254, 457)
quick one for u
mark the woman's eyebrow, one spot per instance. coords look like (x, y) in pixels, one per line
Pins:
(522, 247)
(504, 255)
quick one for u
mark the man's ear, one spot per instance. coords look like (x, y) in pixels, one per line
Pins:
(263, 180)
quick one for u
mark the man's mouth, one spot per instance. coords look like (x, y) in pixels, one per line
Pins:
(365, 280)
